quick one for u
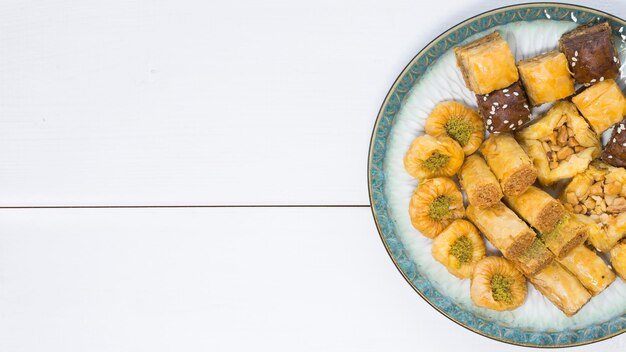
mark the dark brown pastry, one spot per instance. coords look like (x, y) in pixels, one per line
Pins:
(590, 53)
(615, 151)
(504, 110)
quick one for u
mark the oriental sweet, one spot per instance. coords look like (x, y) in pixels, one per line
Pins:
(479, 183)
(429, 157)
(568, 233)
(534, 259)
(509, 163)
(603, 104)
(537, 207)
(436, 203)
(457, 121)
(588, 268)
(561, 143)
(614, 152)
(504, 110)
(562, 288)
(487, 64)
(459, 247)
(546, 78)
(618, 259)
(497, 284)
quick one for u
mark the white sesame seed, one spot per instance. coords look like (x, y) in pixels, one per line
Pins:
(519, 122)
(576, 53)
(614, 140)
(574, 59)
(624, 144)
(610, 267)
(488, 122)
(487, 94)
(495, 103)
(610, 156)
(621, 125)
(505, 121)
(505, 91)
(484, 98)
(573, 64)
(526, 106)
(601, 79)
(592, 81)
(492, 112)
(490, 128)
(512, 126)
(530, 116)
(515, 93)
(507, 95)
(614, 59)
(505, 106)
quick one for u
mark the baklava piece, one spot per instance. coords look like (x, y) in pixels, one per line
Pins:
(598, 196)
(588, 268)
(459, 247)
(618, 259)
(436, 203)
(614, 152)
(590, 53)
(480, 184)
(429, 157)
(487, 64)
(497, 284)
(509, 162)
(534, 259)
(603, 105)
(457, 121)
(503, 228)
(562, 288)
(568, 233)
(561, 143)
(504, 110)
(538, 208)
(546, 77)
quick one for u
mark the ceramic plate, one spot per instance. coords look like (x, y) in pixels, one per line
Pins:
(429, 78)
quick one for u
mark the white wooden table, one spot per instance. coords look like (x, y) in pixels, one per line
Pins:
(206, 103)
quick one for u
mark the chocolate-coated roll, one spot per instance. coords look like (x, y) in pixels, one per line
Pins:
(504, 110)
(615, 150)
(590, 53)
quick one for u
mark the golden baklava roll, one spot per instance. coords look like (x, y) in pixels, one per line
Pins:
(505, 230)
(603, 104)
(562, 288)
(480, 184)
(618, 259)
(509, 163)
(487, 64)
(568, 233)
(537, 207)
(588, 268)
(546, 77)
(534, 259)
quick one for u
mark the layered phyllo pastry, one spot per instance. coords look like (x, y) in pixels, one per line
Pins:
(618, 259)
(603, 104)
(497, 284)
(508, 161)
(459, 247)
(614, 152)
(546, 78)
(590, 53)
(479, 183)
(435, 204)
(538, 208)
(457, 121)
(504, 110)
(598, 196)
(561, 287)
(568, 233)
(430, 156)
(534, 259)
(487, 64)
(589, 269)
(560, 144)
(503, 228)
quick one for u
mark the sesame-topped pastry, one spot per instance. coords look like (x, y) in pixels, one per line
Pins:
(590, 53)
(429, 157)
(598, 197)
(504, 110)
(509, 163)
(457, 121)
(603, 104)
(487, 64)
(560, 144)
(614, 152)
(546, 77)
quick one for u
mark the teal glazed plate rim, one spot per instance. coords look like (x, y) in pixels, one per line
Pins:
(376, 177)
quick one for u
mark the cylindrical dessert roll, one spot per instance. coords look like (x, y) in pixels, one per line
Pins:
(505, 230)
(509, 163)
(534, 259)
(480, 184)
(618, 259)
(568, 233)
(562, 288)
(537, 207)
(589, 268)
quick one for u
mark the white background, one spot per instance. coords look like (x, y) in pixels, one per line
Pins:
(206, 103)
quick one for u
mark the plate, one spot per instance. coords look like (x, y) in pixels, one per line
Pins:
(429, 78)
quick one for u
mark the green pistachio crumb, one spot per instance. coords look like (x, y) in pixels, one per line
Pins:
(436, 161)
(459, 129)
(439, 209)
(535, 249)
(462, 249)
(501, 288)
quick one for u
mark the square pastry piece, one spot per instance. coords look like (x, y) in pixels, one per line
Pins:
(603, 104)
(590, 52)
(560, 144)
(598, 197)
(546, 77)
(614, 152)
(504, 110)
(487, 64)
